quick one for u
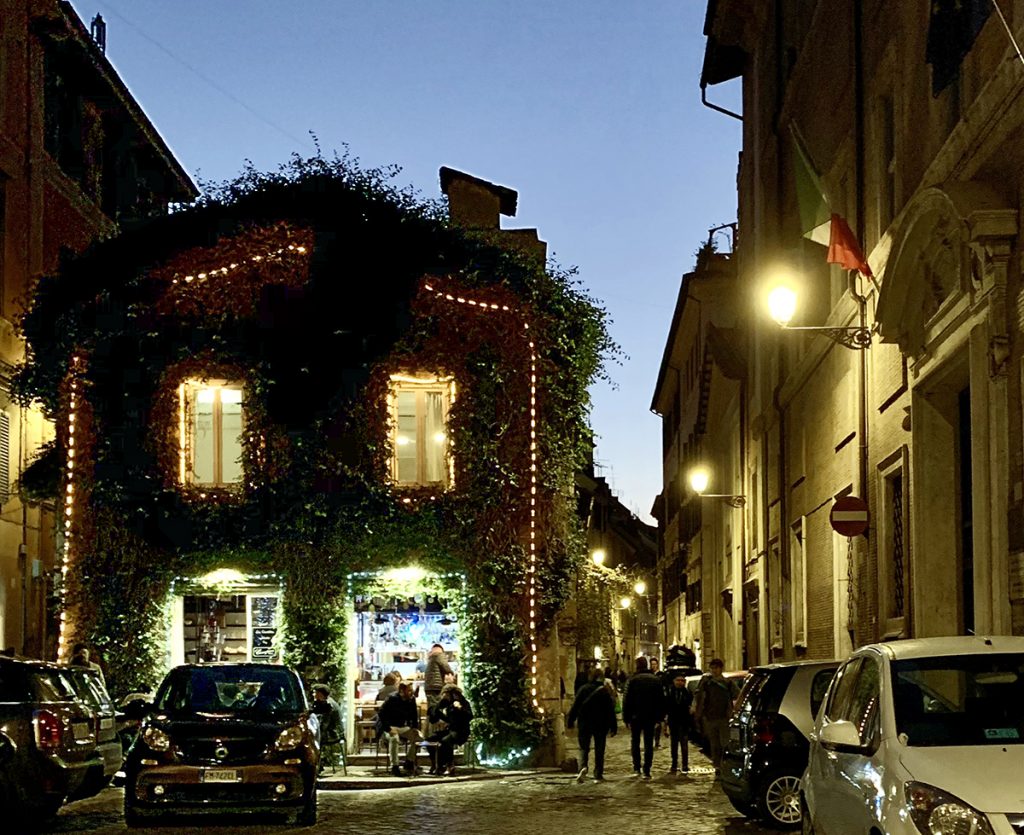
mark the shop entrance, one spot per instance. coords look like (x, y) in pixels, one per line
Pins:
(396, 618)
(224, 616)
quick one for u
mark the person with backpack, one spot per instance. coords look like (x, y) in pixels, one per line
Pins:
(594, 710)
(678, 700)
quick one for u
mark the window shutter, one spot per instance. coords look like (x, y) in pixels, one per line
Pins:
(5, 457)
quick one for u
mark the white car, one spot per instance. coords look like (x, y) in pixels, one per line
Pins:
(921, 736)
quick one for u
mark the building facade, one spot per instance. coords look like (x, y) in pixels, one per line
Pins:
(925, 423)
(78, 159)
(317, 421)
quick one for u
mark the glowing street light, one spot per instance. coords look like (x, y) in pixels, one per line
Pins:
(699, 479)
(782, 304)
(599, 556)
(626, 602)
(640, 587)
(782, 300)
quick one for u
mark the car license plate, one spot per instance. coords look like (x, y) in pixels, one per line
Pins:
(734, 734)
(106, 724)
(220, 775)
(82, 730)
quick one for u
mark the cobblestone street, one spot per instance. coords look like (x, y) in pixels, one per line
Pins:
(519, 805)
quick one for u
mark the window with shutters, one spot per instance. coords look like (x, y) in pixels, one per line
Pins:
(210, 433)
(894, 545)
(418, 408)
(5, 457)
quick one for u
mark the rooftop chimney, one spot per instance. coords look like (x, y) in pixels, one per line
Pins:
(98, 30)
(479, 204)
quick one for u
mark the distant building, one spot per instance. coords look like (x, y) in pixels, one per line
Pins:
(621, 566)
(78, 159)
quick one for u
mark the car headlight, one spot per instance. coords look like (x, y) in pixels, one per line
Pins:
(936, 812)
(156, 739)
(290, 738)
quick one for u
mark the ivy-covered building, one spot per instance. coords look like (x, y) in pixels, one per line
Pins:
(313, 413)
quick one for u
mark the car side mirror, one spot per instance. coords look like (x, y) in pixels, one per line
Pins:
(840, 734)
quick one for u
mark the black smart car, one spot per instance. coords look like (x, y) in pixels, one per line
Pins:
(225, 737)
(768, 739)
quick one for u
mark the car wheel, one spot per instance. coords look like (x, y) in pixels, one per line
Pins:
(778, 801)
(307, 815)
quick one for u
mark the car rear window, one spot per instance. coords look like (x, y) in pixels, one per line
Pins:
(89, 688)
(51, 686)
(234, 689)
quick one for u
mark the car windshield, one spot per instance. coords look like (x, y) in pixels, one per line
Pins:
(242, 688)
(960, 700)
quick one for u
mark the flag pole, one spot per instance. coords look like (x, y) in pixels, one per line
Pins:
(1009, 33)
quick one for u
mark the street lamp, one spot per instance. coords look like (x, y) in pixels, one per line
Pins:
(782, 301)
(599, 556)
(640, 587)
(700, 478)
(626, 602)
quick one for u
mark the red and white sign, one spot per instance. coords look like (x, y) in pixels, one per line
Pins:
(849, 516)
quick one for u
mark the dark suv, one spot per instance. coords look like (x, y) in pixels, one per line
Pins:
(90, 688)
(225, 737)
(47, 742)
(768, 739)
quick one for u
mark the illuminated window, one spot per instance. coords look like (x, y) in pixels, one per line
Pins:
(211, 423)
(419, 430)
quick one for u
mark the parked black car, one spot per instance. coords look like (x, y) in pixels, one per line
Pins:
(768, 739)
(225, 737)
(90, 688)
(47, 743)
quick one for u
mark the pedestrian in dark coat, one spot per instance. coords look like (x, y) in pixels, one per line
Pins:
(594, 710)
(643, 707)
(678, 701)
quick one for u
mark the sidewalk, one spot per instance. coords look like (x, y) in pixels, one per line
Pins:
(364, 774)
(618, 763)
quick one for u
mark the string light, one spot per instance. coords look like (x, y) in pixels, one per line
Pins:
(69, 510)
(188, 279)
(532, 567)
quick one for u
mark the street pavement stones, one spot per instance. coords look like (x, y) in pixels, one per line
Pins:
(520, 803)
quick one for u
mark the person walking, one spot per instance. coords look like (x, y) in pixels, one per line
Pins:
(643, 707)
(712, 706)
(593, 710)
(655, 667)
(678, 701)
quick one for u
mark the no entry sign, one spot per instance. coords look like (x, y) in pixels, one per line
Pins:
(849, 516)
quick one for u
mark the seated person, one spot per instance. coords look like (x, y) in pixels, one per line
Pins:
(453, 712)
(398, 719)
(390, 687)
(330, 715)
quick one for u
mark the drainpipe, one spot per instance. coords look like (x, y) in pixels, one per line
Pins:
(862, 384)
(713, 106)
